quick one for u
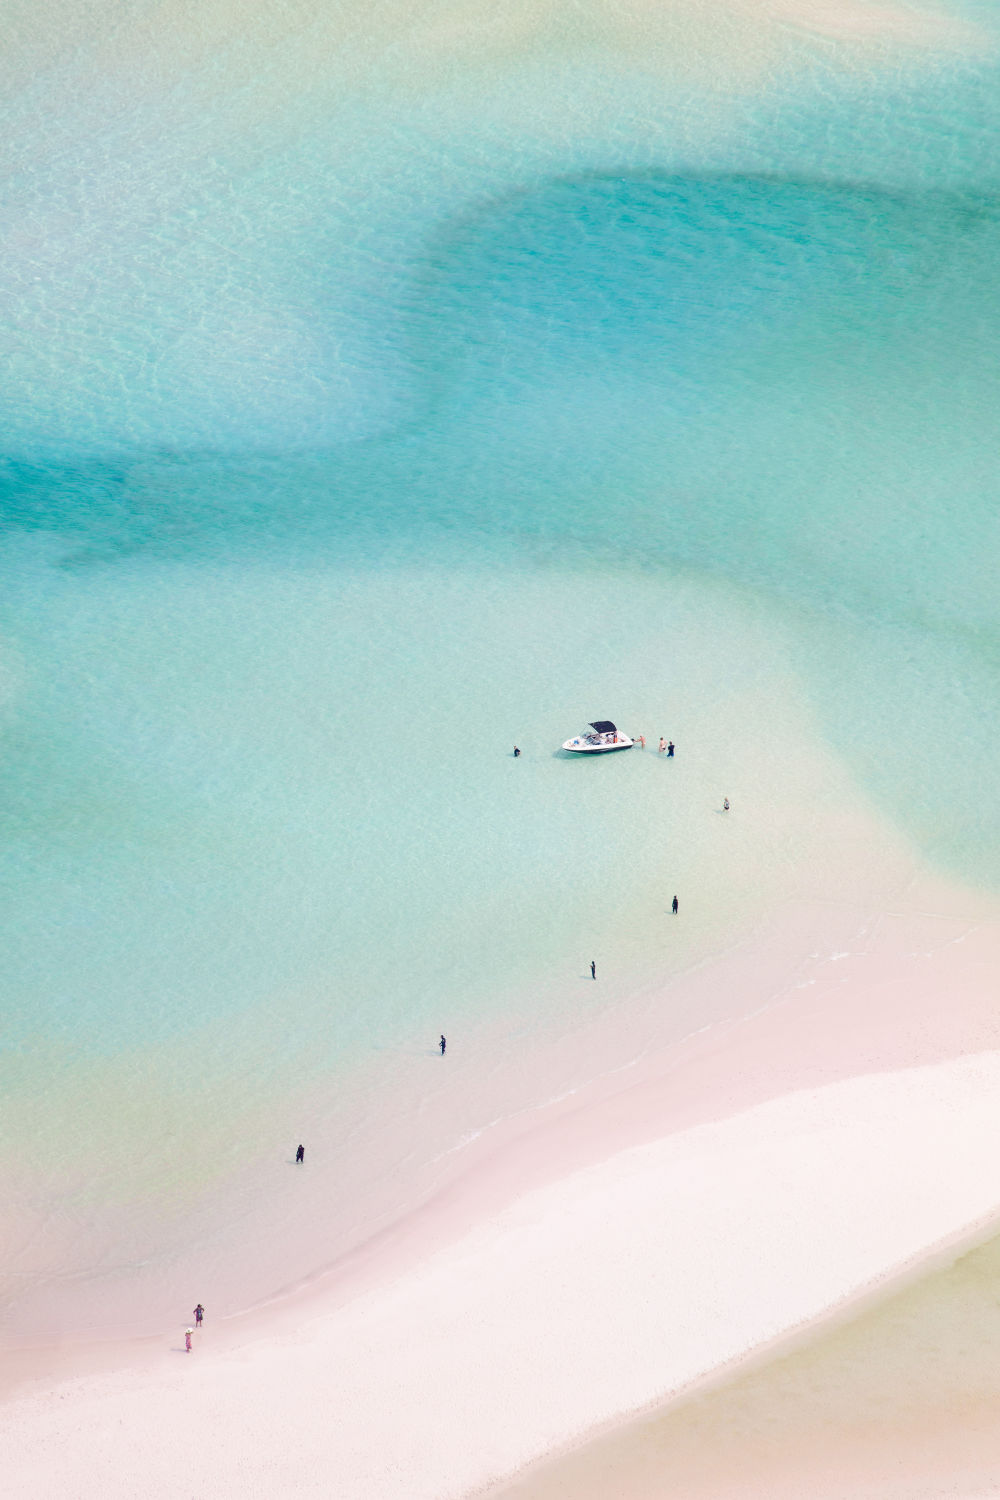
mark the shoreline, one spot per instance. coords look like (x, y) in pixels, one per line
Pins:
(295, 1367)
(865, 1021)
(783, 1037)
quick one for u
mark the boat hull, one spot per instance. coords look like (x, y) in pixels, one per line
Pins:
(572, 748)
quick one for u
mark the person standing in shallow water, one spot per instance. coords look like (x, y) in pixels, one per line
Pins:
(661, 746)
(593, 969)
(516, 752)
(675, 906)
(443, 1045)
(300, 1156)
(670, 751)
(725, 804)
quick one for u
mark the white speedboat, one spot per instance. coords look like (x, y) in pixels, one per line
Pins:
(605, 737)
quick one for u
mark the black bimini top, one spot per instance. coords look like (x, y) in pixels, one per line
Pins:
(604, 726)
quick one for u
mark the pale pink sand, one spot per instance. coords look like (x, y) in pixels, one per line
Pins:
(698, 1204)
(593, 1296)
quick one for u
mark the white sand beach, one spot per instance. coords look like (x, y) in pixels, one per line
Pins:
(894, 1400)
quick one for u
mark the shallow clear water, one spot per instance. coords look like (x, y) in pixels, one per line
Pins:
(375, 403)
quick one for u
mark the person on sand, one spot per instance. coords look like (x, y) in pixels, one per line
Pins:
(593, 969)
(187, 1338)
(300, 1156)
(725, 804)
(199, 1314)
(443, 1045)
(670, 750)
(675, 906)
(661, 746)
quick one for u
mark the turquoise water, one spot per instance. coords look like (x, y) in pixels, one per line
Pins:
(382, 393)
